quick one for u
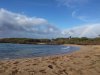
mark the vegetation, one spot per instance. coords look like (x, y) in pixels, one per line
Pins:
(79, 41)
(24, 40)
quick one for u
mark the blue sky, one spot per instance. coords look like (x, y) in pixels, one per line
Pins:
(61, 15)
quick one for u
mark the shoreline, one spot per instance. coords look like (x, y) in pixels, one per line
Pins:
(85, 61)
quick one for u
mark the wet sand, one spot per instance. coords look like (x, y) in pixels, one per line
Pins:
(82, 62)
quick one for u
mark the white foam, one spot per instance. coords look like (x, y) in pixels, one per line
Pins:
(66, 47)
(6, 58)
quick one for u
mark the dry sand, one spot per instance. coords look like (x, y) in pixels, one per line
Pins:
(83, 62)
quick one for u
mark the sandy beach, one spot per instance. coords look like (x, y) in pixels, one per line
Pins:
(85, 61)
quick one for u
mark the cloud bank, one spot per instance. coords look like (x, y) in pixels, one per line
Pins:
(88, 30)
(18, 25)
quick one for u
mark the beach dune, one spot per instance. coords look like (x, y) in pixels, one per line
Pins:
(82, 62)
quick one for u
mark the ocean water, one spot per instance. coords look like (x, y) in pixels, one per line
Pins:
(13, 51)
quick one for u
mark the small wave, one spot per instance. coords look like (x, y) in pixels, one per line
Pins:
(66, 47)
(6, 58)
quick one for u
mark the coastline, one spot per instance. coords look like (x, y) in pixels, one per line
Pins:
(85, 61)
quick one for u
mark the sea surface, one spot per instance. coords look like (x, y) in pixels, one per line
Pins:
(13, 51)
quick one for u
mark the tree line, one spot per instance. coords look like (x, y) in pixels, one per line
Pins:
(79, 41)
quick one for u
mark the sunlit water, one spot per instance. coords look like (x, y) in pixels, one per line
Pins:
(13, 51)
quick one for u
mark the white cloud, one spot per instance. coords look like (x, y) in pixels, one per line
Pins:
(21, 19)
(18, 25)
(79, 15)
(76, 5)
(72, 3)
(75, 14)
(88, 30)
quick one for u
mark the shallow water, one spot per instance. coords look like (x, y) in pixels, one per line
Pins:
(13, 51)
